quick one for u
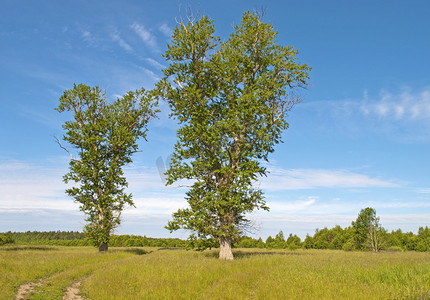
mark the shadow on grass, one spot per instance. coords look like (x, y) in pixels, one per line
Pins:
(239, 254)
(171, 248)
(243, 254)
(136, 251)
(25, 248)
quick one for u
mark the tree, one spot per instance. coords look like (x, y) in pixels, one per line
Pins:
(423, 239)
(280, 240)
(270, 242)
(105, 137)
(231, 99)
(368, 233)
(293, 242)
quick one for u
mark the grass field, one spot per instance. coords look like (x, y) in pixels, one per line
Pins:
(140, 273)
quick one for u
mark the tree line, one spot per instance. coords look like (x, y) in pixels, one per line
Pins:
(364, 234)
(336, 238)
(75, 238)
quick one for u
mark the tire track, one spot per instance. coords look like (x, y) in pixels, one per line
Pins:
(73, 291)
(25, 290)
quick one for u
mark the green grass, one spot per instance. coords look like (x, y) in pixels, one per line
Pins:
(60, 266)
(254, 274)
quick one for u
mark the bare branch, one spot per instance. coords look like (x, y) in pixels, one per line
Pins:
(189, 14)
(180, 85)
(180, 16)
(261, 12)
(64, 148)
(182, 186)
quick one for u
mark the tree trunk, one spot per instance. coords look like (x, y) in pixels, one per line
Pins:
(103, 247)
(225, 249)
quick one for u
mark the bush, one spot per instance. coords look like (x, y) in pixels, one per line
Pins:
(6, 238)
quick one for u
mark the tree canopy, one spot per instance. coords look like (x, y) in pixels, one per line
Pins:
(231, 99)
(368, 233)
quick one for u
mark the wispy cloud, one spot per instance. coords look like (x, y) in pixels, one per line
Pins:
(88, 37)
(158, 205)
(423, 191)
(297, 179)
(403, 116)
(165, 29)
(123, 44)
(293, 206)
(404, 106)
(145, 35)
(155, 63)
(26, 185)
(49, 119)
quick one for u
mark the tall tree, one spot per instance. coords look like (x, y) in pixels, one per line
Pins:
(231, 99)
(104, 136)
(368, 232)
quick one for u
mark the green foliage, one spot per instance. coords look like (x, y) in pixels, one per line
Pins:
(6, 238)
(270, 242)
(368, 233)
(308, 243)
(58, 238)
(105, 137)
(249, 242)
(139, 241)
(423, 239)
(74, 238)
(231, 99)
(333, 238)
(293, 242)
(341, 238)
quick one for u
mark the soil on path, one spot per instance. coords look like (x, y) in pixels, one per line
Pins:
(72, 291)
(27, 289)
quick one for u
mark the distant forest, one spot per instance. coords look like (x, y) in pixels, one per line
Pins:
(335, 238)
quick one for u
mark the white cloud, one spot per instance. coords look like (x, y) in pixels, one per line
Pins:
(402, 205)
(402, 116)
(166, 30)
(165, 204)
(33, 195)
(145, 35)
(404, 106)
(296, 179)
(293, 206)
(25, 185)
(151, 74)
(423, 191)
(88, 37)
(123, 44)
(155, 63)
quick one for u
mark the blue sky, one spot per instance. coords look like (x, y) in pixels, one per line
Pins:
(360, 137)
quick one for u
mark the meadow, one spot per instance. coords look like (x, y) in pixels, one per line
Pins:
(172, 273)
